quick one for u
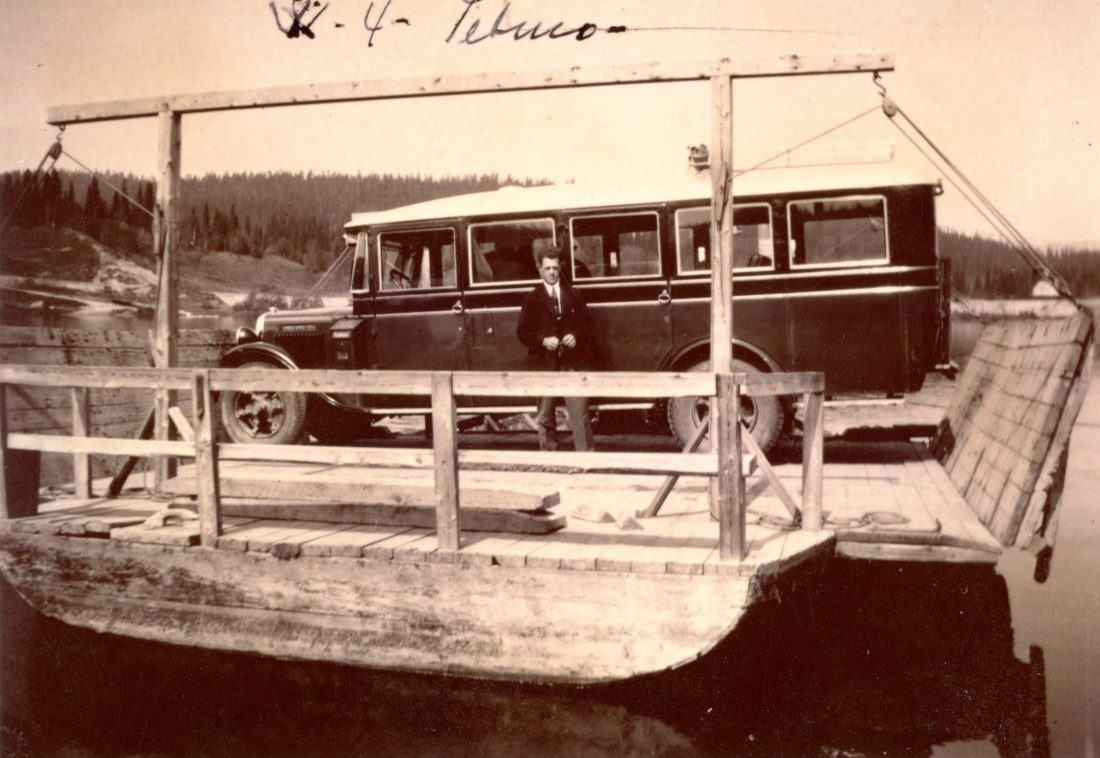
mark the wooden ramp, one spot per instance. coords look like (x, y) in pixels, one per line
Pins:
(1004, 440)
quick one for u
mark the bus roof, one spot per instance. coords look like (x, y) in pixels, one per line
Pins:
(761, 182)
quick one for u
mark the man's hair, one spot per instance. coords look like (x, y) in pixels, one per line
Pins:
(554, 253)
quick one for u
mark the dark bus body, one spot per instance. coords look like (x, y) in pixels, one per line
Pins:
(836, 270)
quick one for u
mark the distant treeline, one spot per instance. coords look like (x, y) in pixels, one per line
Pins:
(301, 217)
(988, 268)
(292, 215)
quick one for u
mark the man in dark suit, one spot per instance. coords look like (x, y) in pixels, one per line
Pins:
(557, 329)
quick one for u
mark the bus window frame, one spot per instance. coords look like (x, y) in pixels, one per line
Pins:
(862, 262)
(738, 269)
(470, 250)
(629, 277)
(361, 262)
(414, 229)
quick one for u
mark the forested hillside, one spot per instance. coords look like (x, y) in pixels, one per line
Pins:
(294, 216)
(300, 217)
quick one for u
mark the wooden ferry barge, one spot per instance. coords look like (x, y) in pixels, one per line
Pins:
(363, 556)
(479, 562)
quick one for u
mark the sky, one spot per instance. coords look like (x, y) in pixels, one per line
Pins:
(1008, 90)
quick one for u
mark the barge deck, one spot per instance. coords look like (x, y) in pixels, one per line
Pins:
(881, 500)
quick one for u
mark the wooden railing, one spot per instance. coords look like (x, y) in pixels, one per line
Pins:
(723, 463)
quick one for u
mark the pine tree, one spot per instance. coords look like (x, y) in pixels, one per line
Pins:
(94, 211)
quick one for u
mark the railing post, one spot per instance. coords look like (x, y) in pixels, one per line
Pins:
(82, 427)
(204, 415)
(813, 453)
(726, 432)
(19, 472)
(5, 510)
(445, 449)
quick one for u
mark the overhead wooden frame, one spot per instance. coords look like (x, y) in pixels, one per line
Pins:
(469, 84)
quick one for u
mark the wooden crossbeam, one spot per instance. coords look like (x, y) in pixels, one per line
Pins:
(60, 443)
(770, 476)
(144, 432)
(468, 84)
(670, 481)
(625, 384)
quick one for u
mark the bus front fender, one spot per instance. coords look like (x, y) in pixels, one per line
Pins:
(252, 351)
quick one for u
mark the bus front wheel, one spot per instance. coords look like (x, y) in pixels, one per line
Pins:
(273, 418)
(764, 417)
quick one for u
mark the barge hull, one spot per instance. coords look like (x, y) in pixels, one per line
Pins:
(488, 621)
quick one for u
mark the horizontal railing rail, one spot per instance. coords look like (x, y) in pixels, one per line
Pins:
(627, 384)
(444, 457)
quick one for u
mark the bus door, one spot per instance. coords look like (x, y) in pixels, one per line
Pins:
(503, 268)
(419, 315)
(616, 269)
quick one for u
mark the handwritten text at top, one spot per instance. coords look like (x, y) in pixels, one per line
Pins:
(474, 22)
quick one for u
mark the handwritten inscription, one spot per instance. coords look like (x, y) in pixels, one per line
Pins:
(296, 12)
(517, 31)
(372, 29)
(469, 28)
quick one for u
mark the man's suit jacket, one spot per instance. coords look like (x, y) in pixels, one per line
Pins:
(537, 321)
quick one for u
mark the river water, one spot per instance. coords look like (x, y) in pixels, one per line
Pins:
(868, 659)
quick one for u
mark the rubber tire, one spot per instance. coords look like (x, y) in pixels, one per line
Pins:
(767, 421)
(292, 425)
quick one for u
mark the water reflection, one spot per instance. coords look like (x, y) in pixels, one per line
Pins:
(866, 659)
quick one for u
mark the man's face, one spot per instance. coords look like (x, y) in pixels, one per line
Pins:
(550, 270)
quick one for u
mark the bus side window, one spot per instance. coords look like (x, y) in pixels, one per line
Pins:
(614, 246)
(508, 251)
(838, 232)
(753, 241)
(419, 259)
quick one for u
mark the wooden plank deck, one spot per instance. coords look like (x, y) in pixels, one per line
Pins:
(886, 501)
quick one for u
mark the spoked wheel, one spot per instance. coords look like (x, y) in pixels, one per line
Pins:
(272, 418)
(764, 417)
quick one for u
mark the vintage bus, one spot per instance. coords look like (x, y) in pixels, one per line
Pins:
(835, 270)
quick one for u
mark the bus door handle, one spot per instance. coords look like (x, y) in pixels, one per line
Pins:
(457, 308)
(664, 298)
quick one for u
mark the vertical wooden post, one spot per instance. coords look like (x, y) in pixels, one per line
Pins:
(813, 455)
(5, 509)
(82, 427)
(731, 481)
(445, 449)
(165, 226)
(19, 471)
(203, 419)
(721, 250)
(721, 235)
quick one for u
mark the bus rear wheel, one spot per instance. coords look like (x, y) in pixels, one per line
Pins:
(764, 417)
(272, 418)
